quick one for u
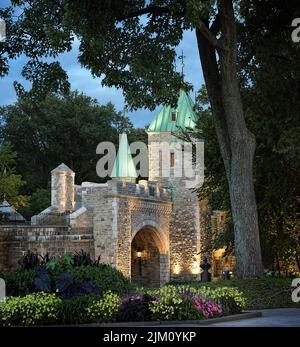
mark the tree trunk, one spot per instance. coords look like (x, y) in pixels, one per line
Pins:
(237, 144)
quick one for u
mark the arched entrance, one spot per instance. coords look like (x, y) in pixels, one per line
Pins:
(149, 260)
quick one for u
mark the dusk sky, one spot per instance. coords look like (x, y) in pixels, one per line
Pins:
(82, 80)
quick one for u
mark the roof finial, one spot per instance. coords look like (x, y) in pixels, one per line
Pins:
(181, 57)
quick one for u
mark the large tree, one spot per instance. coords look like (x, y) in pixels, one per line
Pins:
(269, 72)
(59, 129)
(132, 44)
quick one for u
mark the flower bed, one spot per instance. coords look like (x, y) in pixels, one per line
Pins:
(164, 304)
(76, 290)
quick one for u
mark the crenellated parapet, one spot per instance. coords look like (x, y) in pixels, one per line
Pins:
(143, 189)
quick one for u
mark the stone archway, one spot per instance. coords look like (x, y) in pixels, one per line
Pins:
(149, 258)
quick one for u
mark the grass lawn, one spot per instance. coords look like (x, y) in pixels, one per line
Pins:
(268, 292)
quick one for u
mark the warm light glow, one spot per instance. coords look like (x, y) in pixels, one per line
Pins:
(139, 254)
(176, 269)
(195, 269)
(219, 253)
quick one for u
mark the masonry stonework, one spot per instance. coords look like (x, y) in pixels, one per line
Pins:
(149, 230)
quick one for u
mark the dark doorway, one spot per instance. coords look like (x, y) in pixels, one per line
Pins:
(145, 259)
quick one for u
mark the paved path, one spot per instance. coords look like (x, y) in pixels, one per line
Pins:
(279, 317)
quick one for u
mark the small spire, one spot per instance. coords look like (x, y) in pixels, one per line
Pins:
(182, 57)
(124, 165)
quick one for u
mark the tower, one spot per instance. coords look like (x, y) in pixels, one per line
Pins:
(63, 188)
(166, 153)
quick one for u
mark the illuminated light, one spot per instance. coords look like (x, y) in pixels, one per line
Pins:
(219, 253)
(195, 269)
(177, 269)
(139, 254)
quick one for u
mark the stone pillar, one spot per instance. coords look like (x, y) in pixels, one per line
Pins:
(62, 188)
(70, 191)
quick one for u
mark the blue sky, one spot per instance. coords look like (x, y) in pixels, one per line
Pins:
(81, 79)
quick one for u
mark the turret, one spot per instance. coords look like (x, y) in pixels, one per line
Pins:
(63, 188)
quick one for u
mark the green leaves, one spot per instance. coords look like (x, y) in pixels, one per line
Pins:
(33, 309)
(59, 129)
(10, 182)
(131, 44)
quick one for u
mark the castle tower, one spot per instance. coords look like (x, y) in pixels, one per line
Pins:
(166, 153)
(63, 188)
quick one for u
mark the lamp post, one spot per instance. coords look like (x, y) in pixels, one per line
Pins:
(139, 257)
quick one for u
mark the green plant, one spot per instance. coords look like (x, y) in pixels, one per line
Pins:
(33, 309)
(75, 310)
(84, 259)
(106, 277)
(168, 303)
(135, 309)
(104, 310)
(59, 264)
(29, 261)
(262, 293)
(19, 282)
(183, 303)
(231, 299)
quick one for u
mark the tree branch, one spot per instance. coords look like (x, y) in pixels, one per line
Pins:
(213, 85)
(157, 10)
(207, 34)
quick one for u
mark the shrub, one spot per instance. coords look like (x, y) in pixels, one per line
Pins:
(60, 264)
(20, 282)
(72, 275)
(106, 277)
(84, 259)
(231, 299)
(29, 261)
(104, 310)
(262, 293)
(33, 309)
(207, 307)
(75, 310)
(135, 309)
(183, 303)
(167, 305)
(65, 284)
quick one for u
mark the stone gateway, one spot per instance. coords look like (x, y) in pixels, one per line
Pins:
(149, 230)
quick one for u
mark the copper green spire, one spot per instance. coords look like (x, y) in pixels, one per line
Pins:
(175, 119)
(124, 166)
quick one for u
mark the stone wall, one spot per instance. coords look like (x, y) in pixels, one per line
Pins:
(137, 210)
(185, 219)
(16, 240)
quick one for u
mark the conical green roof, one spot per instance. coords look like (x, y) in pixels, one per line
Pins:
(124, 166)
(185, 116)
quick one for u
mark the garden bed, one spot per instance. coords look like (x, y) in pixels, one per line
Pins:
(263, 293)
(74, 290)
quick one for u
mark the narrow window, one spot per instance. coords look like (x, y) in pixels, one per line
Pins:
(172, 159)
(173, 116)
(151, 190)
